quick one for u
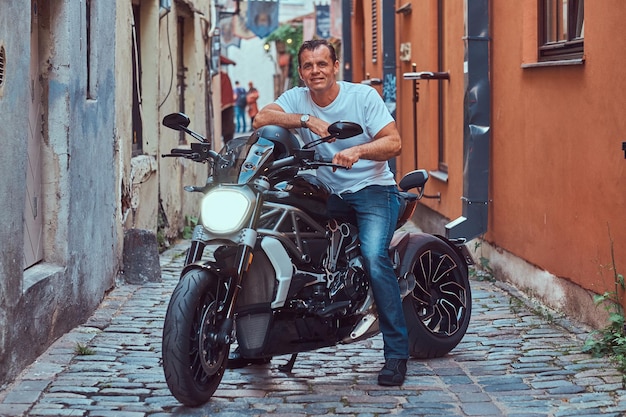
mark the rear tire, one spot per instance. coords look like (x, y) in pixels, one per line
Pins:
(192, 363)
(438, 309)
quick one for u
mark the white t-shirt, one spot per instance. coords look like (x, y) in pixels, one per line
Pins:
(357, 103)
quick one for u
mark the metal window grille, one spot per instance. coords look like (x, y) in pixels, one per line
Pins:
(374, 31)
(2, 61)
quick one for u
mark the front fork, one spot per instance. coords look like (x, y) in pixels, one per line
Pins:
(242, 260)
(194, 253)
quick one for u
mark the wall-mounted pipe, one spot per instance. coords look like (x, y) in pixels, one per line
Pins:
(389, 61)
(477, 125)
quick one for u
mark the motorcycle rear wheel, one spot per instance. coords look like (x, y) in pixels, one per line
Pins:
(438, 309)
(193, 364)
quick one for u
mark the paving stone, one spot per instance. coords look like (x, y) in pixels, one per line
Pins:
(510, 363)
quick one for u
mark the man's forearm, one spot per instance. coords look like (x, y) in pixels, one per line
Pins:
(276, 116)
(381, 149)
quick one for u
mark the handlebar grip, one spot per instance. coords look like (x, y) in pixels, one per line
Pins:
(328, 162)
(178, 151)
(284, 162)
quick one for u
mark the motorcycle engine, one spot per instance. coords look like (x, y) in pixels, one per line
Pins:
(347, 278)
(346, 281)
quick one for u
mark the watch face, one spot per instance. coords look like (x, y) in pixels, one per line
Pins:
(304, 119)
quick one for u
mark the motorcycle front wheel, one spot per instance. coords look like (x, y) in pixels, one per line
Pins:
(438, 309)
(193, 361)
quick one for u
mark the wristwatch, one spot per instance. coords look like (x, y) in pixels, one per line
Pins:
(304, 119)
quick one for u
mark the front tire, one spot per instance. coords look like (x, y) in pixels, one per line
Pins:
(193, 362)
(438, 309)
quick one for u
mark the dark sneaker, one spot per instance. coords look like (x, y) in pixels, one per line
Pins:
(392, 373)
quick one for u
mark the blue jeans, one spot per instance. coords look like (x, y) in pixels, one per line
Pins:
(377, 209)
(240, 118)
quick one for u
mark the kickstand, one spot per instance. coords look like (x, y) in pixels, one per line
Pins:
(289, 365)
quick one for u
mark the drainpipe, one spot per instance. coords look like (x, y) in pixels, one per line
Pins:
(389, 61)
(346, 30)
(477, 125)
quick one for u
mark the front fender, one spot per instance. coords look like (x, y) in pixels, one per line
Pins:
(206, 266)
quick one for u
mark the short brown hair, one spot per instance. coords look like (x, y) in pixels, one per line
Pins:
(313, 44)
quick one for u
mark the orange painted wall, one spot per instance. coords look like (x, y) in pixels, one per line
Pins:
(558, 174)
(419, 28)
(362, 53)
(424, 17)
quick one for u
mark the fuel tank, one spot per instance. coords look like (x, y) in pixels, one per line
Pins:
(305, 191)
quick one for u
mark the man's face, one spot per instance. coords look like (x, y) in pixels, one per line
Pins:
(317, 69)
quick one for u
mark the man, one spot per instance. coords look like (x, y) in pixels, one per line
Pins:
(240, 108)
(368, 185)
(251, 97)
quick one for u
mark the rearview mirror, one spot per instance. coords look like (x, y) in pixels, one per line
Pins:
(344, 130)
(176, 121)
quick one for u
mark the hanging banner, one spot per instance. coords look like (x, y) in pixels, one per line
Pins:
(322, 19)
(262, 17)
(228, 38)
(239, 23)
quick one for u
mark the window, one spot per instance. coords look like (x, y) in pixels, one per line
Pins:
(562, 29)
(90, 50)
(2, 58)
(182, 70)
(137, 119)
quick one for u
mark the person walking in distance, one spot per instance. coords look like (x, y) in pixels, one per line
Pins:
(240, 108)
(368, 185)
(251, 98)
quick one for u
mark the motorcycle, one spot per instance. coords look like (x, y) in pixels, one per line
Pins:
(274, 268)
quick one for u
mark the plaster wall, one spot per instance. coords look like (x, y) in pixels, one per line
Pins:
(419, 124)
(152, 187)
(92, 187)
(556, 191)
(79, 169)
(175, 173)
(558, 167)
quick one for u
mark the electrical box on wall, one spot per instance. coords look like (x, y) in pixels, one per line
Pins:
(405, 51)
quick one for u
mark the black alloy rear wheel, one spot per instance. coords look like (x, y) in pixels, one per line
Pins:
(438, 309)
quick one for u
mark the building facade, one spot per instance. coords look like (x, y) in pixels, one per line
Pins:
(514, 109)
(83, 87)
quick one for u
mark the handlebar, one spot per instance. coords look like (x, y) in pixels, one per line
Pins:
(305, 160)
(179, 152)
(199, 152)
(305, 163)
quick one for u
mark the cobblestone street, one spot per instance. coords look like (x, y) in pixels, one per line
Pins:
(511, 363)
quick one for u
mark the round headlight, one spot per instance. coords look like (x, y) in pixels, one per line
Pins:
(225, 210)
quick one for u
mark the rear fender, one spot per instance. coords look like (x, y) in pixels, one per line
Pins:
(418, 240)
(413, 246)
(398, 246)
(461, 249)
